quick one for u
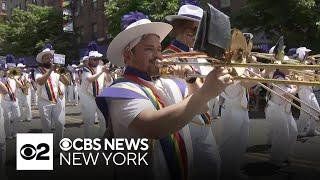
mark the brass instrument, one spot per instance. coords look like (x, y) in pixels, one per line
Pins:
(12, 72)
(62, 70)
(237, 58)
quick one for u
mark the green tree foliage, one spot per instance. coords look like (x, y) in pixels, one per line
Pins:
(297, 20)
(155, 9)
(27, 31)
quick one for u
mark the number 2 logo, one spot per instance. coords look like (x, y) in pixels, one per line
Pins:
(29, 152)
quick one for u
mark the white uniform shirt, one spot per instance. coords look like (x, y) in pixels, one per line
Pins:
(86, 86)
(41, 89)
(13, 86)
(123, 112)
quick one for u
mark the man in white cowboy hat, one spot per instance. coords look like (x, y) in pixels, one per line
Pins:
(50, 95)
(206, 155)
(93, 81)
(9, 100)
(140, 105)
(24, 93)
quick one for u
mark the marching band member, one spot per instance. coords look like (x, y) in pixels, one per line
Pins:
(50, 94)
(72, 88)
(307, 125)
(24, 94)
(93, 78)
(141, 106)
(3, 91)
(205, 152)
(10, 101)
(283, 126)
(234, 133)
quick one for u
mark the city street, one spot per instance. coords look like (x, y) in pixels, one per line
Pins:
(305, 162)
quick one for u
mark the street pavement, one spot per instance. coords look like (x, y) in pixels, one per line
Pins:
(305, 161)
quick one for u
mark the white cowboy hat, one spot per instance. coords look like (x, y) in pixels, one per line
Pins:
(187, 12)
(45, 51)
(84, 58)
(131, 33)
(301, 51)
(20, 65)
(95, 54)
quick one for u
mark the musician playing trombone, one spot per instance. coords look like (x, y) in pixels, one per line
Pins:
(144, 105)
(9, 100)
(283, 126)
(205, 151)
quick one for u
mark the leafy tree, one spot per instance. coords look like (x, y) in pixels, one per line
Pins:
(25, 33)
(297, 20)
(156, 10)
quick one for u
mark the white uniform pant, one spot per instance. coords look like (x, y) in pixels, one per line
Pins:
(12, 116)
(89, 112)
(283, 131)
(206, 156)
(52, 118)
(214, 107)
(73, 96)
(34, 97)
(233, 137)
(2, 144)
(25, 106)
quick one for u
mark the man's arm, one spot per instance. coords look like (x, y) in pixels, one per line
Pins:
(156, 124)
(43, 79)
(3, 88)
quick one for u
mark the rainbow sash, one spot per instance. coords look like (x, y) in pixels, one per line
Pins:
(173, 145)
(11, 94)
(95, 84)
(49, 88)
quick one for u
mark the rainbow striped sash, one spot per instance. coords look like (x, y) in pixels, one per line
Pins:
(49, 88)
(11, 94)
(95, 84)
(173, 145)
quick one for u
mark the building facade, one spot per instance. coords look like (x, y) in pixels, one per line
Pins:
(90, 21)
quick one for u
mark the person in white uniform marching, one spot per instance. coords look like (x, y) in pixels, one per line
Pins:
(206, 155)
(24, 94)
(3, 91)
(283, 126)
(234, 133)
(93, 78)
(10, 101)
(50, 95)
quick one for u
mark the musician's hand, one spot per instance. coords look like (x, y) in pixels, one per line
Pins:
(105, 69)
(53, 67)
(181, 71)
(216, 81)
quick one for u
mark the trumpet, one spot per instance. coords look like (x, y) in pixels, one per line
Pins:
(62, 70)
(25, 87)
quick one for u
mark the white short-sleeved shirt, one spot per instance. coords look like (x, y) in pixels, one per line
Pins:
(41, 89)
(13, 86)
(86, 86)
(123, 112)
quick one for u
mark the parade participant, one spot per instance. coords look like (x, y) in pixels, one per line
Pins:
(93, 78)
(205, 152)
(234, 132)
(10, 101)
(283, 128)
(72, 92)
(50, 94)
(141, 106)
(24, 93)
(3, 91)
(307, 125)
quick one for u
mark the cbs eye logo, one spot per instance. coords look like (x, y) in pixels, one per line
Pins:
(65, 144)
(34, 151)
(28, 151)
